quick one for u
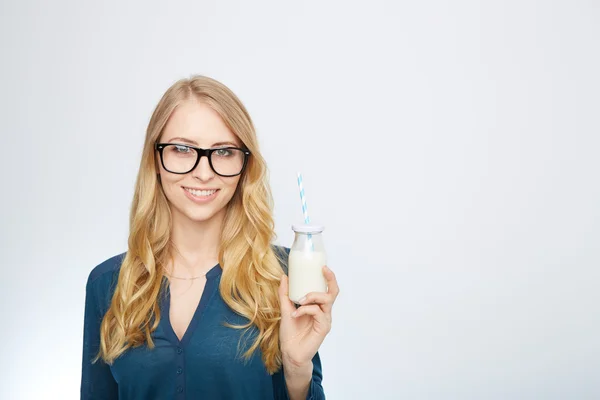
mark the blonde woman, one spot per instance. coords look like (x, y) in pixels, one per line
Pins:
(197, 308)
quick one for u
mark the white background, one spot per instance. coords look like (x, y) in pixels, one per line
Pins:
(449, 147)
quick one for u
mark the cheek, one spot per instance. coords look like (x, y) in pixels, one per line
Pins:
(171, 186)
(231, 184)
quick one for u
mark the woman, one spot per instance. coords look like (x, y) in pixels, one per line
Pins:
(197, 308)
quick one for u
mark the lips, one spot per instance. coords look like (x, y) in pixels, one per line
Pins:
(200, 196)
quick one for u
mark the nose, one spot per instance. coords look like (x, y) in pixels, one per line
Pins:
(203, 171)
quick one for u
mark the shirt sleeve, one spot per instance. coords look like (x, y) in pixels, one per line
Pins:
(315, 391)
(97, 381)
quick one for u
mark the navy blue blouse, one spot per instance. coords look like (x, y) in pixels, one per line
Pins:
(206, 363)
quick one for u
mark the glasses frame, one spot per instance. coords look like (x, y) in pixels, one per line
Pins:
(201, 153)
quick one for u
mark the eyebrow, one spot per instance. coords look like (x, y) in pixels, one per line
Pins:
(184, 140)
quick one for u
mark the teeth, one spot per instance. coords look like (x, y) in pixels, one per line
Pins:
(201, 193)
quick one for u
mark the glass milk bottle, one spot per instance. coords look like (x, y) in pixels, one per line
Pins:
(306, 261)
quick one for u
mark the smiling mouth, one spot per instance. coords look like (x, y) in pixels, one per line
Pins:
(201, 193)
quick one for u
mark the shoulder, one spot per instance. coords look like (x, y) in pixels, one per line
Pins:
(282, 253)
(102, 281)
(106, 268)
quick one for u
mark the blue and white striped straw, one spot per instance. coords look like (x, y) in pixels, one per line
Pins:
(303, 199)
(304, 207)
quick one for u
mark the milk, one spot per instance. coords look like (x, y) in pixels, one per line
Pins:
(306, 273)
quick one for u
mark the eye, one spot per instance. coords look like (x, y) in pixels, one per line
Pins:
(223, 152)
(181, 149)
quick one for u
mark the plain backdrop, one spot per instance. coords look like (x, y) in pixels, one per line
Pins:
(449, 147)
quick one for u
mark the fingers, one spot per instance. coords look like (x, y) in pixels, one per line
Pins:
(312, 309)
(332, 285)
(287, 306)
(324, 300)
(320, 318)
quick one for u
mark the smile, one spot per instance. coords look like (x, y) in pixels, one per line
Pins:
(201, 196)
(201, 193)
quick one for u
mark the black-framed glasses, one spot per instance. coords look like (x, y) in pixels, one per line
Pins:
(182, 158)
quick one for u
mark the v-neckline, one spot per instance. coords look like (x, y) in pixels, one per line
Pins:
(207, 293)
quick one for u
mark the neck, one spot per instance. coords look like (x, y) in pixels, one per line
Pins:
(196, 244)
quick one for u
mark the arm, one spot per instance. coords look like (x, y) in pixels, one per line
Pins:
(292, 385)
(97, 381)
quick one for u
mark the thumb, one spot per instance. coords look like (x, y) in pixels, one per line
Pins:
(287, 306)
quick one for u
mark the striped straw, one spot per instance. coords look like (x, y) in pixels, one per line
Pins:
(303, 199)
(304, 207)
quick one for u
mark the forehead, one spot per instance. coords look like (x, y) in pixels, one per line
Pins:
(199, 124)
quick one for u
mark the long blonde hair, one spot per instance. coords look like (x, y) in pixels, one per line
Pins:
(251, 269)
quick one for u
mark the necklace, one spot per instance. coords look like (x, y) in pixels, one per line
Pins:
(181, 278)
(184, 279)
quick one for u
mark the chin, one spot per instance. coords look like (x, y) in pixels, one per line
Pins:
(199, 212)
(201, 215)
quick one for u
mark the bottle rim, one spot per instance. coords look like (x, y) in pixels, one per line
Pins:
(307, 228)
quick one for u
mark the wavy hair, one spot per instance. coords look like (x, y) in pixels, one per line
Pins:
(251, 269)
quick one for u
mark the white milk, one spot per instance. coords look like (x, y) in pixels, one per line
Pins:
(306, 273)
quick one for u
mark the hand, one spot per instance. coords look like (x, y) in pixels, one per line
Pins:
(302, 330)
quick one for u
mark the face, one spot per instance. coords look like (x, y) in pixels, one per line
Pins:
(191, 195)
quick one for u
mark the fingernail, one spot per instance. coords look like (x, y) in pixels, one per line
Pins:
(294, 314)
(302, 300)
